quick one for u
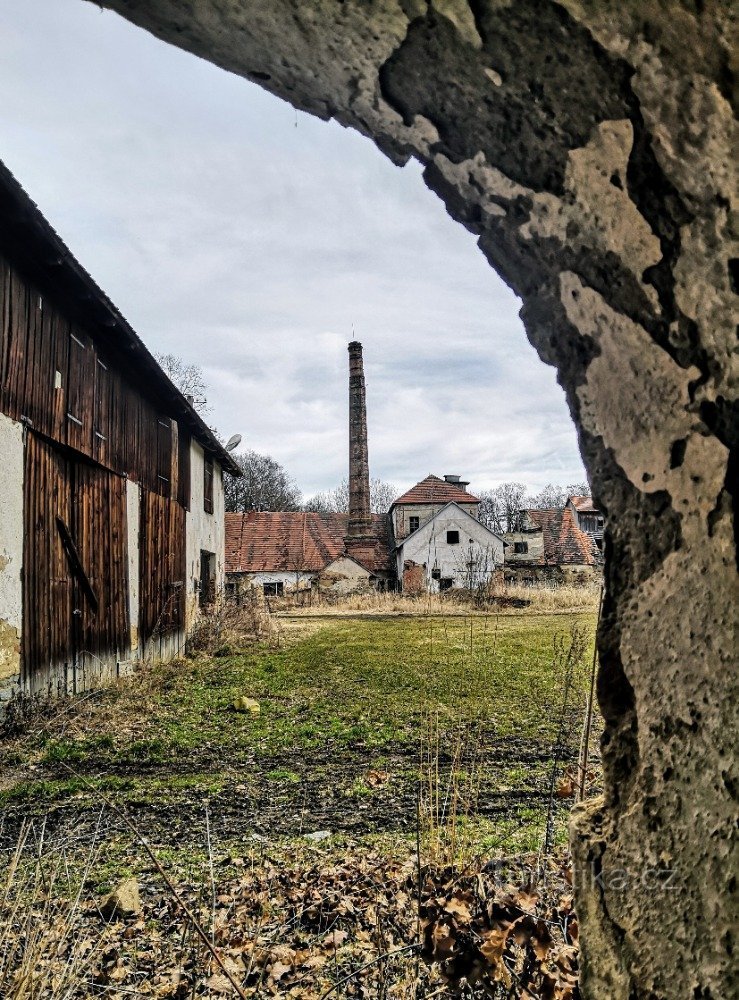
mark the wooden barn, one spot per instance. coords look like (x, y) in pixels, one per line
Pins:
(111, 496)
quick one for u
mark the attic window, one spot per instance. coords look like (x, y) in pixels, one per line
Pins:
(414, 523)
(520, 547)
(452, 538)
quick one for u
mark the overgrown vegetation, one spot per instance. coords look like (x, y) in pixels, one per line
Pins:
(306, 789)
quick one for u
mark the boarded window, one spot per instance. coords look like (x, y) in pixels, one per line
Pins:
(452, 538)
(414, 523)
(164, 456)
(76, 380)
(102, 424)
(520, 548)
(183, 468)
(208, 485)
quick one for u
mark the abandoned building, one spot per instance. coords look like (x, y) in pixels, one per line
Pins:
(299, 551)
(561, 544)
(336, 552)
(112, 505)
(439, 542)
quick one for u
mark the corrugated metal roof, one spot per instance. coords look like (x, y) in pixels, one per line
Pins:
(292, 541)
(435, 490)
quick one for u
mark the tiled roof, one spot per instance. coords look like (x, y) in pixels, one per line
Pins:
(435, 490)
(262, 541)
(564, 542)
(583, 504)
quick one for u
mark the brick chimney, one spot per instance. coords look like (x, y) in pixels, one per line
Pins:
(360, 520)
(360, 532)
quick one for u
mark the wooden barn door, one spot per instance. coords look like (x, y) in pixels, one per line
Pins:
(48, 586)
(75, 570)
(162, 567)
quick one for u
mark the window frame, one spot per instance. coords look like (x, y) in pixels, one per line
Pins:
(209, 474)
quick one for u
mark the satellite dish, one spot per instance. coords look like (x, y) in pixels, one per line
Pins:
(233, 442)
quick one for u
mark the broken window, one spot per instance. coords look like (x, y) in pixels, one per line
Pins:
(414, 523)
(436, 574)
(446, 583)
(520, 547)
(275, 589)
(452, 538)
(208, 485)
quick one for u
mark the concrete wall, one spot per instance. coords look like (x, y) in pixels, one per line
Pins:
(403, 512)
(203, 531)
(428, 547)
(11, 552)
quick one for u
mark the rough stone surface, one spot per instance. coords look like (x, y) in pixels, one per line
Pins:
(123, 902)
(588, 144)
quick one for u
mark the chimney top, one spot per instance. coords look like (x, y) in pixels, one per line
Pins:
(457, 481)
(355, 347)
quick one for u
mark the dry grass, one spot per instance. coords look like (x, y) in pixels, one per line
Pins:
(501, 598)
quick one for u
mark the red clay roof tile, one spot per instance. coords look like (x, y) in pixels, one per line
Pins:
(266, 541)
(564, 542)
(435, 490)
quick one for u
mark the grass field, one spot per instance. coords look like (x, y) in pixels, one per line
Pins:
(382, 730)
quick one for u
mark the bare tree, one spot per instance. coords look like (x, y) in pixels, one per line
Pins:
(382, 495)
(554, 495)
(263, 485)
(188, 378)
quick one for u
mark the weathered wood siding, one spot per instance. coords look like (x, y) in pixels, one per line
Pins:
(68, 388)
(75, 575)
(162, 569)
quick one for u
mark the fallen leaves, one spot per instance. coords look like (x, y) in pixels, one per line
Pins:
(293, 922)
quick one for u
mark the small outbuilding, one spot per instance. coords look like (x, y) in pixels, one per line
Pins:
(291, 551)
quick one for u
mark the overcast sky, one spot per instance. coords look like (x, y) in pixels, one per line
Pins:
(256, 242)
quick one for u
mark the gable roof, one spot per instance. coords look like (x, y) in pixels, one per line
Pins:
(464, 513)
(564, 542)
(435, 490)
(28, 238)
(295, 541)
(584, 505)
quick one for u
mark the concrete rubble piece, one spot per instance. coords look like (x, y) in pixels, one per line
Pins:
(587, 145)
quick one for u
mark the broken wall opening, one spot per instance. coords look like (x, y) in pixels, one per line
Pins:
(587, 147)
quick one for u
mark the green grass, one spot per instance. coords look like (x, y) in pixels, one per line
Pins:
(370, 682)
(352, 695)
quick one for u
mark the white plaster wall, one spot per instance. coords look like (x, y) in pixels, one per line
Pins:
(203, 531)
(424, 511)
(287, 578)
(344, 576)
(11, 548)
(535, 542)
(429, 546)
(133, 518)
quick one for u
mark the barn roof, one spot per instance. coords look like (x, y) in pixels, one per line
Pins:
(584, 505)
(28, 238)
(432, 489)
(564, 542)
(292, 541)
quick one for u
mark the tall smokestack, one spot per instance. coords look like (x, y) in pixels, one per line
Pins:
(360, 518)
